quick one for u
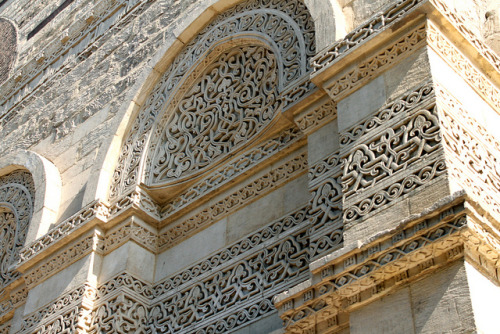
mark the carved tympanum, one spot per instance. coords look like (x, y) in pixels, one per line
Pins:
(232, 100)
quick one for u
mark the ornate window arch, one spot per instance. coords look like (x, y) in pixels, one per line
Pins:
(282, 32)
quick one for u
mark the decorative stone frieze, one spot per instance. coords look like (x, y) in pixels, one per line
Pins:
(292, 44)
(345, 281)
(202, 219)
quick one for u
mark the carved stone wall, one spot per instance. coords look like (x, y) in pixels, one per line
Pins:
(219, 173)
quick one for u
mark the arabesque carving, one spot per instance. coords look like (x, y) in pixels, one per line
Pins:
(368, 69)
(294, 41)
(224, 174)
(230, 103)
(471, 152)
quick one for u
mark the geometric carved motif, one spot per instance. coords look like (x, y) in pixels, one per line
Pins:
(326, 230)
(285, 27)
(471, 152)
(230, 103)
(16, 208)
(401, 151)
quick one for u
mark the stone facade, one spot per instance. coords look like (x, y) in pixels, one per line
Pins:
(257, 166)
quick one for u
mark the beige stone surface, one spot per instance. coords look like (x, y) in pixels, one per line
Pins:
(85, 270)
(93, 92)
(442, 302)
(361, 103)
(390, 314)
(191, 250)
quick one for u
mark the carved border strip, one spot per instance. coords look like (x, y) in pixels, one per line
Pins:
(272, 232)
(233, 286)
(311, 120)
(323, 168)
(406, 254)
(409, 102)
(453, 108)
(387, 18)
(243, 196)
(418, 176)
(231, 170)
(88, 213)
(459, 22)
(71, 306)
(64, 259)
(471, 163)
(477, 80)
(371, 67)
(363, 32)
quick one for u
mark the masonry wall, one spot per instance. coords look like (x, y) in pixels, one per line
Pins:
(82, 72)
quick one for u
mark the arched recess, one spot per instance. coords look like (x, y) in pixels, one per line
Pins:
(8, 48)
(286, 29)
(46, 187)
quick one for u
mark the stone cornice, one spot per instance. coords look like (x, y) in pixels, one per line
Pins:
(354, 276)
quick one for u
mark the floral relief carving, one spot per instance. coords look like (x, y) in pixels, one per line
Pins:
(234, 98)
(293, 45)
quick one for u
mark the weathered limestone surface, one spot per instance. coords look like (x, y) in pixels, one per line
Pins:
(249, 166)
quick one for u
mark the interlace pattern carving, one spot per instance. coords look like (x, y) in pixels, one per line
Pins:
(234, 98)
(393, 151)
(403, 143)
(472, 160)
(243, 196)
(369, 68)
(401, 106)
(378, 23)
(221, 294)
(326, 231)
(227, 172)
(295, 45)
(17, 192)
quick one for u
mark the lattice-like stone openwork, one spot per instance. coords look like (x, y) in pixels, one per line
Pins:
(17, 191)
(278, 40)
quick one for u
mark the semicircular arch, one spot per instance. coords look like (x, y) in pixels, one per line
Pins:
(289, 27)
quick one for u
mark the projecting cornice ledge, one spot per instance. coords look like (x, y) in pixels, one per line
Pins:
(393, 35)
(453, 229)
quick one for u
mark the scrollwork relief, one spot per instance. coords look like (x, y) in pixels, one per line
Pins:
(326, 230)
(369, 68)
(232, 101)
(234, 168)
(294, 44)
(393, 151)
(276, 177)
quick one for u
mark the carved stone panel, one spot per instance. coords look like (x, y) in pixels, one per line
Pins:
(224, 109)
(16, 208)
